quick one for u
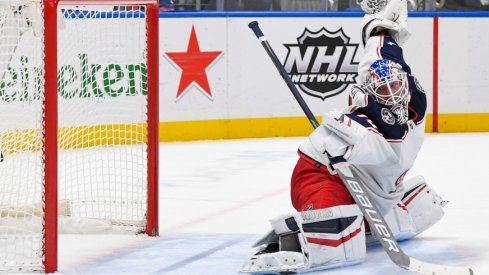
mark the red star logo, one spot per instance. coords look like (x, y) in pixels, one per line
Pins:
(193, 64)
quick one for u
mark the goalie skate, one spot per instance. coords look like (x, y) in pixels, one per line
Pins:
(282, 262)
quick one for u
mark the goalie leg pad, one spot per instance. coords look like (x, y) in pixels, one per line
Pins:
(424, 205)
(313, 240)
(335, 236)
(420, 208)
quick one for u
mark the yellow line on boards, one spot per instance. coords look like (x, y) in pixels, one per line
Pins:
(293, 126)
(127, 134)
(457, 123)
(234, 128)
(75, 137)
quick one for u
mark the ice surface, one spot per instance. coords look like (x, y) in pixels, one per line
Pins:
(216, 198)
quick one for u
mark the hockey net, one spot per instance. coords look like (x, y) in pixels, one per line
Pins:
(106, 113)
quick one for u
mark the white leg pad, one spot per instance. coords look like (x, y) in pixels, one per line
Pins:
(425, 206)
(335, 236)
(328, 238)
(418, 210)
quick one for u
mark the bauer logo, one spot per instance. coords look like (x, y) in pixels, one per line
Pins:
(322, 63)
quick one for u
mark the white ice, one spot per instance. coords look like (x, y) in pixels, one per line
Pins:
(216, 198)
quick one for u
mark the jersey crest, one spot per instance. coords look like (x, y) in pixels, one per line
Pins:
(387, 116)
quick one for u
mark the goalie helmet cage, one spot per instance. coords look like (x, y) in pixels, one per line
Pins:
(57, 138)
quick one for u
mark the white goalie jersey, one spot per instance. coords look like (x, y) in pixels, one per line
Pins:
(384, 150)
(392, 148)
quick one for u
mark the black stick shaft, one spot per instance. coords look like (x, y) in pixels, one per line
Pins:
(259, 34)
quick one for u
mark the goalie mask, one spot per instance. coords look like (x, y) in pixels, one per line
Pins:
(387, 84)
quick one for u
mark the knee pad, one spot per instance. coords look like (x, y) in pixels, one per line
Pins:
(313, 240)
(419, 209)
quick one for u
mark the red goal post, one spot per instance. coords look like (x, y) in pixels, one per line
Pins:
(152, 14)
(52, 129)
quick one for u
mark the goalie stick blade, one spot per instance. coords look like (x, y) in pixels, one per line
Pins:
(435, 269)
(353, 182)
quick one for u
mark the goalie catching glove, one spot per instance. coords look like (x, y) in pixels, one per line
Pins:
(389, 16)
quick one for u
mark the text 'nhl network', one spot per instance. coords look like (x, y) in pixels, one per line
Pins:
(305, 78)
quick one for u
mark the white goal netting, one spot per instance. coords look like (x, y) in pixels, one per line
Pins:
(103, 113)
(102, 125)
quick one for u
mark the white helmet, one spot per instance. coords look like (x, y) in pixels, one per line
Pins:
(388, 84)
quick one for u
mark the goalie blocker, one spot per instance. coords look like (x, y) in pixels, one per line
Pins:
(338, 236)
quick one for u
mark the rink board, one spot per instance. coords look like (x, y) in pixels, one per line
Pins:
(247, 97)
(229, 88)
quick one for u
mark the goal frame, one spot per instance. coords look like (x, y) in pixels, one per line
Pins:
(50, 142)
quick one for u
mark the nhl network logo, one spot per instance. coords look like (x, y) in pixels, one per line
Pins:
(322, 62)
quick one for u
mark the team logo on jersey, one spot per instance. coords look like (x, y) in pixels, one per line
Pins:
(387, 116)
(322, 63)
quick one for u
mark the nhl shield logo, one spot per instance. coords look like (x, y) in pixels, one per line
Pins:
(322, 63)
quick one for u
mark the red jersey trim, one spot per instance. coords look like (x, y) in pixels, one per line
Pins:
(335, 243)
(381, 44)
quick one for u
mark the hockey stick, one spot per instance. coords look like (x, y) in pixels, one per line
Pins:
(350, 178)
